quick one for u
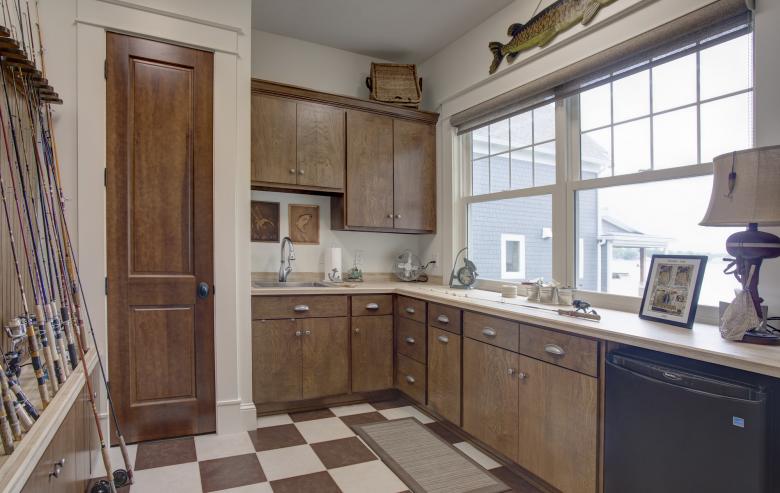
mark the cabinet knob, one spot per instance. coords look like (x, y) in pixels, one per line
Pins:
(511, 371)
(398, 216)
(298, 333)
(443, 319)
(372, 306)
(409, 340)
(410, 379)
(554, 349)
(522, 375)
(301, 308)
(489, 332)
(389, 216)
(308, 333)
(292, 171)
(57, 469)
(443, 339)
(357, 330)
(300, 171)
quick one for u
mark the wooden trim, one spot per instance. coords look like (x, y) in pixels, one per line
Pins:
(293, 188)
(271, 408)
(260, 86)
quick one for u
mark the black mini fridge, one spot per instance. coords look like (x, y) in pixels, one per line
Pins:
(674, 425)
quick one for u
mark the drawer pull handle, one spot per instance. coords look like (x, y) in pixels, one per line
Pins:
(57, 469)
(409, 340)
(409, 310)
(554, 349)
(301, 308)
(308, 333)
(410, 379)
(357, 330)
(372, 306)
(443, 339)
(489, 332)
(443, 319)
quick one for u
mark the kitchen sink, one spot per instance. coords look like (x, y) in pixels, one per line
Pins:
(277, 284)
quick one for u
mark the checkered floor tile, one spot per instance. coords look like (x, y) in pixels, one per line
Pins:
(290, 453)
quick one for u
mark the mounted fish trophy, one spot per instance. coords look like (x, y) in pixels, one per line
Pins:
(543, 27)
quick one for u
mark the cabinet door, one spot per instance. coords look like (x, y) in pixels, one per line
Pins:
(444, 373)
(276, 361)
(369, 192)
(372, 353)
(490, 395)
(321, 146)
(325, 356)
(273, 140)
(414, 161)
(558, 425)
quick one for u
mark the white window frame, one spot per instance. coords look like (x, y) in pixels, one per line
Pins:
(520, 272)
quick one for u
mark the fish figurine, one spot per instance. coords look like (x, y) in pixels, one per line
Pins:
(543, 27)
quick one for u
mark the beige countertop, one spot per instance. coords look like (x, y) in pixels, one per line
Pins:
(702, 342)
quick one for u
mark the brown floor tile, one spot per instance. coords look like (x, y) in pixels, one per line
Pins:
(274, 437)
(230, 472)
(381, 405)
(361, 419)
(321, 482)
(343, 452)
(165, 453)
(518, 484)
(310, 415)
(443, 432)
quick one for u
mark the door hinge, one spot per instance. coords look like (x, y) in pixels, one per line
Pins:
(213, 289)
(105, 69)
(106, 285)
(105, 177)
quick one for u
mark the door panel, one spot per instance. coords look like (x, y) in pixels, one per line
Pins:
(160, 237)
(490, 408)
(444, 373)
(321, 146)
(414, 158)
(273, 139)
(276, 361)
(369, 192)
(372, 352)
(325, 356)
(558, 429)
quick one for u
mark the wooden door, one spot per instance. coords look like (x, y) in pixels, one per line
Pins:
(160, 237)
(372, 353)
(321, 146)
(276, 361)
(273, 140)
(325, 356)
(414, 161)
(558, 425)
(369, 192)
(444, 373)
(490, 395)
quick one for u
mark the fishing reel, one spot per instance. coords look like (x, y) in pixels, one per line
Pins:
(121, 479)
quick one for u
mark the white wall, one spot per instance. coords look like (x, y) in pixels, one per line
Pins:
(75, 31)
(292, 61)
(457, 78)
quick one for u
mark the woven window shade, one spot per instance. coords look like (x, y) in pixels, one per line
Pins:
(673, 39)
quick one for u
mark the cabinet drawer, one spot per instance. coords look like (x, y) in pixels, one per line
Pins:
(269, 307)
(410, 378)
(411, 308)
(493, 330)
(444, 317)
(410, 339)
(372, 304)
(573, 352)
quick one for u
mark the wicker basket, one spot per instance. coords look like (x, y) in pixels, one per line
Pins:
(395, 83)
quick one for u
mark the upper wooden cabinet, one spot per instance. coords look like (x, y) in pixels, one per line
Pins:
(377, 161)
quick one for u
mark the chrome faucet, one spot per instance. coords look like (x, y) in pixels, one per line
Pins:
(285, 271)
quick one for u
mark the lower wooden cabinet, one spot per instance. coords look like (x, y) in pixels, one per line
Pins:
(444, 373)
(372, 353)
(300, 358)
(558, 426)
(410, 378)
(490, 395)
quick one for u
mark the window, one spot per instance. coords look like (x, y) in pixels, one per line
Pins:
(635, 179)
(512, 256)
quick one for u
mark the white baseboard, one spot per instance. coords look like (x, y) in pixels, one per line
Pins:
(235, 416)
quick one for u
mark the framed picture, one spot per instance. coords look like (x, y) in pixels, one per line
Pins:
(304, 224)
(265, 221)
(672, 289)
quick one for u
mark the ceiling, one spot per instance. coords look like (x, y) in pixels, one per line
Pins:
(405, 31)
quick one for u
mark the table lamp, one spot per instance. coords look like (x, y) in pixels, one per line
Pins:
(746, 192)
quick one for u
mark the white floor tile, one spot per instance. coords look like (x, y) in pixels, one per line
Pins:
(480, 458)
(209, 447)
(252, 488)
(353, 409)
(289, 461)
(117, 462)
(322, 430)
(406, 412)
(368, 476)
(183, 477)
(274, 420)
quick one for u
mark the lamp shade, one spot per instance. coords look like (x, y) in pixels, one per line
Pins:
(745, 189)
